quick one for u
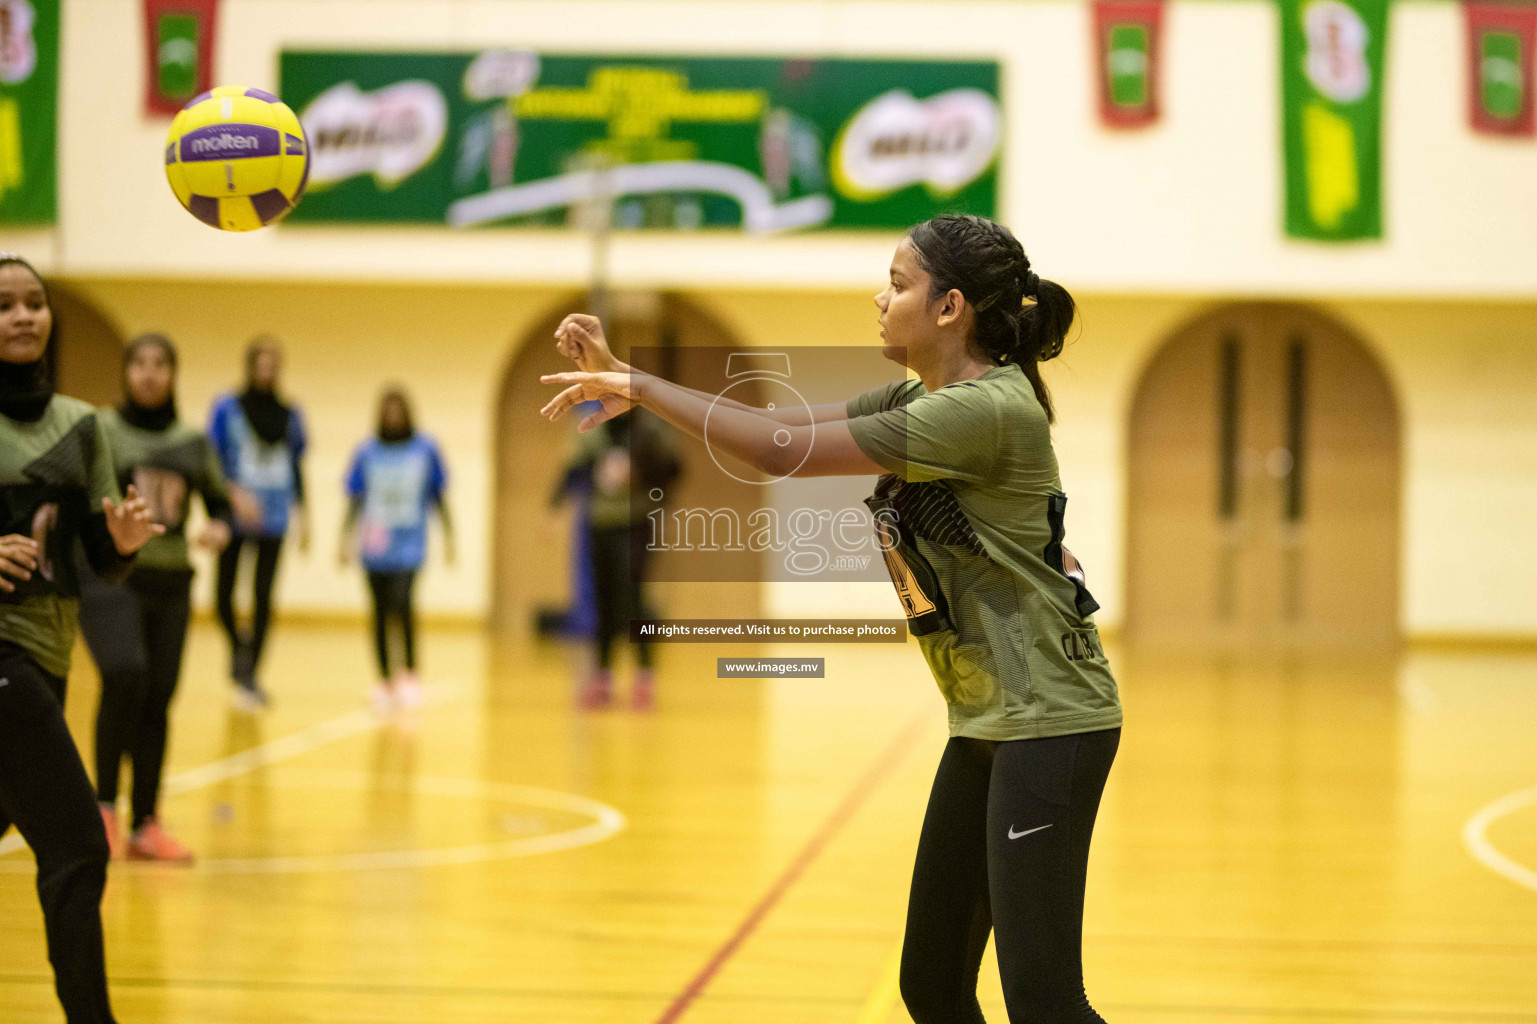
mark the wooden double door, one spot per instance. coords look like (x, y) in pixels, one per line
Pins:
(1263, 506)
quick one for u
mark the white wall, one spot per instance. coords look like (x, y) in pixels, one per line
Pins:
(1192, 205)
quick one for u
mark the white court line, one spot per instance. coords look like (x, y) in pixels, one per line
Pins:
(607, 821)
(353, 723)
(1475, 836)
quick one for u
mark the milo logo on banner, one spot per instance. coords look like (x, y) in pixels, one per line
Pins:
(391, 133)
(18, 50)
(945, 142)
(1336, 57)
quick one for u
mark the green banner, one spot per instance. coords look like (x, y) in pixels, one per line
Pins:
(1332, 59)
(515, 137)
(29, 96)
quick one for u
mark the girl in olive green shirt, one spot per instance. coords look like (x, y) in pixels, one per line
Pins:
(56, 489)
(970, 518)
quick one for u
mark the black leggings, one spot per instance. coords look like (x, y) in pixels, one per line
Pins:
(246, 649)
(45, 792)
(1005, 848)
(393, 601)
(618, 576)
(136, 633)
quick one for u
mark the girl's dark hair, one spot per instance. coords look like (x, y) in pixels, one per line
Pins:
(7, 258)
(254, 350)
(151, 340)
(396, 393)
(986, 264)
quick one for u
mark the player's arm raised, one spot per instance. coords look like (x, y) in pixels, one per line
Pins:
(761, 441)
(580, 338)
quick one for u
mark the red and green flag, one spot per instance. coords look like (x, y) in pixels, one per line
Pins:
(1501, 41)
(1126, 59)
(178, 49)
(1332, 59)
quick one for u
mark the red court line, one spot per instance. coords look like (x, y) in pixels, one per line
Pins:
(840, 817)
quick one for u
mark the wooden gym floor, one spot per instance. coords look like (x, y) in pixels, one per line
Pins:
(1280, 844)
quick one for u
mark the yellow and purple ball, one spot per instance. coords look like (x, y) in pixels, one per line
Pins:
(237, 159)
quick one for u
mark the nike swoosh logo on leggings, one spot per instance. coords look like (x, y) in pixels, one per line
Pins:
(1016, 835)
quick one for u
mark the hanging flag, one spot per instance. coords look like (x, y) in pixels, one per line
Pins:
(1501, 41)
(178, 50)
(1126, 48)
(29, 103)
(1332, 60)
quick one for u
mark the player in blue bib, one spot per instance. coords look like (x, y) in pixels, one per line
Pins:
(261, 441)
(396, 479)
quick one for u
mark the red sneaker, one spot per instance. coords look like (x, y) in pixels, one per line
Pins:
(151, 842)
(114, 832)
(643, 692)
(597, 692)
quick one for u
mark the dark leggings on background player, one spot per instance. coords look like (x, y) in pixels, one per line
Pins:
(246, 648)
(394, 601)
(1005, 849)
(136, 633)
(46, 794)
(618, 572)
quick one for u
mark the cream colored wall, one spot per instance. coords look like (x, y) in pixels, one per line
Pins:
(1192, 205)
(1465, 375)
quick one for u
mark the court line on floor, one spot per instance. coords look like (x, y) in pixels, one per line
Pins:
(295, 744)
(883, 766)
(1475, 836)
(607, 822)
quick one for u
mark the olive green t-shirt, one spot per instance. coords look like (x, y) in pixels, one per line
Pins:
(53, 475)
(971, 513)
(166, 467)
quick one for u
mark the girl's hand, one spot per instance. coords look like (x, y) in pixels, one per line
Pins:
(619, 393)
(18, 559)
(215, 535)
(247, 507)
(130, 522)
(580, 339)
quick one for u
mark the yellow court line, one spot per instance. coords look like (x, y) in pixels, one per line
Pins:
(883, 997)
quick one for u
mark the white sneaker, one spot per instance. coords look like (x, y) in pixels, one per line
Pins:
(383, 700)
(408, 690)
(248, 701)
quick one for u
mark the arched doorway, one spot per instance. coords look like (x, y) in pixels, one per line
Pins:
(532, 545)
(1264, 487)
(89, 348)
